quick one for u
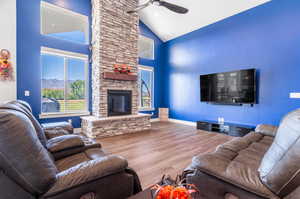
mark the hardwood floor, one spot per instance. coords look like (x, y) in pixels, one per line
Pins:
(167, 148)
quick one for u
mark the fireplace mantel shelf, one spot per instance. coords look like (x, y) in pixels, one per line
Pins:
(119, 76)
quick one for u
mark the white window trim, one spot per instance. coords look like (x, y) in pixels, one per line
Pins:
(62, 53)
(147, 68)
(153, 47)
(67, 54)
(56, 8)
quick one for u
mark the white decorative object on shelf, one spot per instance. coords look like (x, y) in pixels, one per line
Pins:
(163, 114)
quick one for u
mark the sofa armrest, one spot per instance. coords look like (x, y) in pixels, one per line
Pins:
(64, 142)
(87, 172)
(52, 133)
(265, 129)
(59, 125)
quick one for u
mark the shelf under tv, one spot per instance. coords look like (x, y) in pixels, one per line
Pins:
(230, 104)
(236, 130)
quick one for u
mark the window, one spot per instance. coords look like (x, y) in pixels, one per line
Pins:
(146, 79)
(64, 24)
(64, 82)
(146, 47)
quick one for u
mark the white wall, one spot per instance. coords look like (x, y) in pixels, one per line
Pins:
(8, 40)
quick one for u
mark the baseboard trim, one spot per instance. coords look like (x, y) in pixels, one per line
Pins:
(155, 120)
(189, 123)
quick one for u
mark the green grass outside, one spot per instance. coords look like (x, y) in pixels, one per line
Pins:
(72, 105)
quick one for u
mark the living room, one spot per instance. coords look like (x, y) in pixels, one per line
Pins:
(149, 99)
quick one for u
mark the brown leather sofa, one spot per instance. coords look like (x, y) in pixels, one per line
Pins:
(28, 168)
(263, 164)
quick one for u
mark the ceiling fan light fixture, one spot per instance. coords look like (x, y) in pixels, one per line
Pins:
(170, 6)
(156, 3)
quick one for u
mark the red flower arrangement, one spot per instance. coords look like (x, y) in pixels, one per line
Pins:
(5, 65)
(174, 189)
(122, 68)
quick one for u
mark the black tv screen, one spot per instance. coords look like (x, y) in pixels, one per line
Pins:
(236, 87)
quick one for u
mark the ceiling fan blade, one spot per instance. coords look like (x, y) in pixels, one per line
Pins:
(139, 7)
(173, 7)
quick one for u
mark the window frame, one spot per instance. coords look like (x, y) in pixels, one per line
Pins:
(152, 70)
(153, 47)
(71, 13)
(72, 55)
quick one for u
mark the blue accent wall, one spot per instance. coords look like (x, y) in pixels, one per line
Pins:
(266, 38)
(29, 42)
(156, 64)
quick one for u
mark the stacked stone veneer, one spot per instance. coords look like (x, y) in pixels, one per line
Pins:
(114, 41)
(115, 38)
(111, 126)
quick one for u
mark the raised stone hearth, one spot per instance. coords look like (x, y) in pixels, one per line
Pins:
(115, 41)
(94, 127)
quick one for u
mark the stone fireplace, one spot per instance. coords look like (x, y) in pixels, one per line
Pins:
(119, 102)
(114, 41)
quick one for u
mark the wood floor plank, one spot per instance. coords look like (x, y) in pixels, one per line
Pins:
(167, 148)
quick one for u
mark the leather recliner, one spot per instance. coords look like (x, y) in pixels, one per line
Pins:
(263, 164)
(28, 168)
(58, 138)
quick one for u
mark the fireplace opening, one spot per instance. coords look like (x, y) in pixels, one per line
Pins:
(119, 102)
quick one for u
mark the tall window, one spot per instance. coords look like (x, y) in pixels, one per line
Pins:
(64, 24)
(64, 81)
(146, 47)
(146, 82)
(64, 78)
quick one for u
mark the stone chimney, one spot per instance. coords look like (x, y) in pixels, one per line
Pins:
(114, 41)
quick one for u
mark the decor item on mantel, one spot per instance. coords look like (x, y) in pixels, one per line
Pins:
(121, 72)
(122, 68)
(6, 70)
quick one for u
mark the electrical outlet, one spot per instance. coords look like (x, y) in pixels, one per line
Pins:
(27, 93)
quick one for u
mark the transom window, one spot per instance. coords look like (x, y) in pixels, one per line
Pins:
(146, 85)
(64, 81)
(146, 47)
(64, 24)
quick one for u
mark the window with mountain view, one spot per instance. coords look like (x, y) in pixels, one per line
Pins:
(64, 81)
(146, 79)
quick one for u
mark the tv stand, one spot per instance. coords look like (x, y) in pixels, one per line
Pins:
(231, 129)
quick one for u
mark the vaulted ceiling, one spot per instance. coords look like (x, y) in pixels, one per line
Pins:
(168, 25)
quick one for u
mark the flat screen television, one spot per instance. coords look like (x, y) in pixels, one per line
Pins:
(236, 87)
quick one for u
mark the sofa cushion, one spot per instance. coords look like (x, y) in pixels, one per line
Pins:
(88, 171)
(22, 156)
(237, 162)
(20, 107)
(279, 169)
(73, 160)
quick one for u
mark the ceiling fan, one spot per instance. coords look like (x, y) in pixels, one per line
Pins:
(170, 6)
